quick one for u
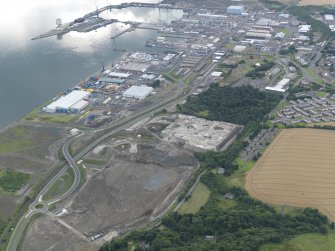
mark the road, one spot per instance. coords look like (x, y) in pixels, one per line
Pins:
(40, 206)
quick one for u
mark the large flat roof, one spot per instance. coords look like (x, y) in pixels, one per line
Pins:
(138, 91)
(119, 74)
(68, 100)
(279, 87)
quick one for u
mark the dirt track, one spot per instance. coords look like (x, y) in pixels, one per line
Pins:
(297, 169)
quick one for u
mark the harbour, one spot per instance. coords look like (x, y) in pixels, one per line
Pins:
(35, 71)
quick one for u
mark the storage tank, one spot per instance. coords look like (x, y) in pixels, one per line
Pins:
(58, 22)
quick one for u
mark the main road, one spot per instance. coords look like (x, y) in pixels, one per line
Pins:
(41, 206)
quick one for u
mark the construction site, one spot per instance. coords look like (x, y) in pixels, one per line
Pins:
(131, 179)
(196, 133)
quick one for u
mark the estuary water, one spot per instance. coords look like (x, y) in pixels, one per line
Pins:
(32, 72)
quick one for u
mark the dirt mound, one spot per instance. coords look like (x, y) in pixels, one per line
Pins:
(164, 154)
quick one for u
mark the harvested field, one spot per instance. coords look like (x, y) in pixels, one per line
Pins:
(315, 2)
(297, 169)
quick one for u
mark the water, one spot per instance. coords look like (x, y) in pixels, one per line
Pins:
(32, 72)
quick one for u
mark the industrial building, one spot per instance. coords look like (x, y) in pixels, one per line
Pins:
(235, 10)
(119, 75)
(329, 17)
(257, 34)
(72, 102)
(279, 87)
(280, 35)
(134, 66)
(138, 92)
(304, 28)
(239, 48)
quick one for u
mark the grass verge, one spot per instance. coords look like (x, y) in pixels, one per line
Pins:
(61, 185)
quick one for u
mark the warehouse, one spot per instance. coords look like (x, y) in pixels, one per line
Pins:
(304, 28)
(280, 86)
(280, 35)
(329, 17)
(119, 75)
(133, 66)
(72, 102)
(239, 48)
(257, 35)
(111, 80)
(79, 106)
(138, 92)
(235, 10)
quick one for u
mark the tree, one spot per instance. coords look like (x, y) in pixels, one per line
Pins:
(156, 83)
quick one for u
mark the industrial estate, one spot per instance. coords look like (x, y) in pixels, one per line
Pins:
(179, 147)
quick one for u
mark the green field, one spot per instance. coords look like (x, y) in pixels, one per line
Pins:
(59, 119)
(322, 94)
(171, 76)
(60, 186)
(15, 139)
(97, 162)
(304, 242)
(199, 198)
(284, 30)
(11, 181)
(190, 79)
(203, 113)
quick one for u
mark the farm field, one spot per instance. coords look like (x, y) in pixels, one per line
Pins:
(316, 2)
(297, 169)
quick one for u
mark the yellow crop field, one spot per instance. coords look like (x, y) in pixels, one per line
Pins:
(297, 169)
(316, 2)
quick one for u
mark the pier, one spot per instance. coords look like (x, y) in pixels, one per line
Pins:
(131, 28)
(130, 5)
(92, 21)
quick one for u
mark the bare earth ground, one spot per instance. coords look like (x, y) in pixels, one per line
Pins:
(135, 182)
(49, 234)
(297, 169)
(121, 195)
(8, 204)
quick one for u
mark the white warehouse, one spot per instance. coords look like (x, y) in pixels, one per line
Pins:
(72, 102)
(138, 92)
(235, 10)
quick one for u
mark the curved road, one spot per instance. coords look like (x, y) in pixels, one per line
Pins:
(40, 206)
